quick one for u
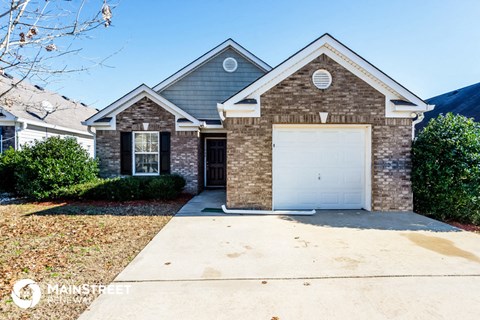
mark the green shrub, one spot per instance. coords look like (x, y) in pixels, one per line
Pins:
(8, 162)
(51, 164)
(446, 169)
(119, 189)
(78, 191)
(166, 187)
(124, 189)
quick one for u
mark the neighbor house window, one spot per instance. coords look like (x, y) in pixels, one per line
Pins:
(146, 153)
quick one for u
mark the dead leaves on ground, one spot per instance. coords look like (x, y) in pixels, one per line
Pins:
(60, 243)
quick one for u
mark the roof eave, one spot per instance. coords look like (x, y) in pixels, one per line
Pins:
(132, 97)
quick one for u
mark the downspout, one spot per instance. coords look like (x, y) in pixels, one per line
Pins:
(94, 134)
(420, 116)
(221, 110)
(269, 212)
(22, 127)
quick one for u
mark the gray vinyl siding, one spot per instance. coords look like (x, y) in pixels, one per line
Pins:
(199, 92)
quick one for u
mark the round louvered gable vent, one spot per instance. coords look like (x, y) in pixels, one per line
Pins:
(230, 64)
(322, 79)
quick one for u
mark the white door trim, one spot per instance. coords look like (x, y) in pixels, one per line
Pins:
(205, 159)
(368, 154)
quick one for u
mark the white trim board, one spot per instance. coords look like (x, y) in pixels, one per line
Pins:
(14, 121)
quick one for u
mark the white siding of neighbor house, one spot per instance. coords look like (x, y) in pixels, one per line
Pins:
(32, 133)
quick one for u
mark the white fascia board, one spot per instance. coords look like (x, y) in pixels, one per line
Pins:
(408, 108)
(106, 126)
(52, 126)
(342, 55)
(208, 127)
(362, 63)
(112, 124)
(7, 123)
(206, 57)
(212, 130)
(135, 96)
(179, 127)
(188, 126)
(241, 110)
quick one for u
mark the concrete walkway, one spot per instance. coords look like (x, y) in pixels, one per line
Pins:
(207, 199)
(334, 265)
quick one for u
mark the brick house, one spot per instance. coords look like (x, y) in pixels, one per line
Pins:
(324, 129)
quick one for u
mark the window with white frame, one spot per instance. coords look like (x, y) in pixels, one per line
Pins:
(146, 153)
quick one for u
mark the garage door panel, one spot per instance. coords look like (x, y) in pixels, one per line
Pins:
(330, 158)
(319, 168)
(354, 178)
(327, 137)
(328, 179)
(329, 198)
(294, 136)
(307, 197)
(288, 158)
(352, 198)
(353, 137)
(291, 180)
(301, 198)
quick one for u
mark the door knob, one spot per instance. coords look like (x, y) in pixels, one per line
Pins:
(319, 176)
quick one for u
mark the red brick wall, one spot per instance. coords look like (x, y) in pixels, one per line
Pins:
(184, 145)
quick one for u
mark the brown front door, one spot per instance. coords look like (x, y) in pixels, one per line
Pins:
(216, 162)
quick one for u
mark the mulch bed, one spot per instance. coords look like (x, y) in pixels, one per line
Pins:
(465, 226)
(72, 243)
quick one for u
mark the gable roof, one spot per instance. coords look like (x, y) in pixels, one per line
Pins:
(27, 102)
(209, 55)
(132, 97)
(346, 57)
(199, 91)
(464, 101)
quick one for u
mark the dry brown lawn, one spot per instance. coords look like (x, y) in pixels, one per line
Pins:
(72, 244)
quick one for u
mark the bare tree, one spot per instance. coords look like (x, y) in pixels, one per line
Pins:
(35, 35)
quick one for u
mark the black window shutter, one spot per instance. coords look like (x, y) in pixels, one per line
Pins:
(164, 152)
(126, 153)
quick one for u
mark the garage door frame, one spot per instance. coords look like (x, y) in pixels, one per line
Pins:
(368, 154)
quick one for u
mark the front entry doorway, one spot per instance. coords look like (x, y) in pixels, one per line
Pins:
(215, 162)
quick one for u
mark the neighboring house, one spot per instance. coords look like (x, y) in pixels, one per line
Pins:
(464, 101)
(29, 113)
(323, 129)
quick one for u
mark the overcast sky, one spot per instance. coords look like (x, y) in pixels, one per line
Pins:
(430, 47)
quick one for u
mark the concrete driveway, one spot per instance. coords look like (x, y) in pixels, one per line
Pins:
(335, 265)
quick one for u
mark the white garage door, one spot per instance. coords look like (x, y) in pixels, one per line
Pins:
(319, 167)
